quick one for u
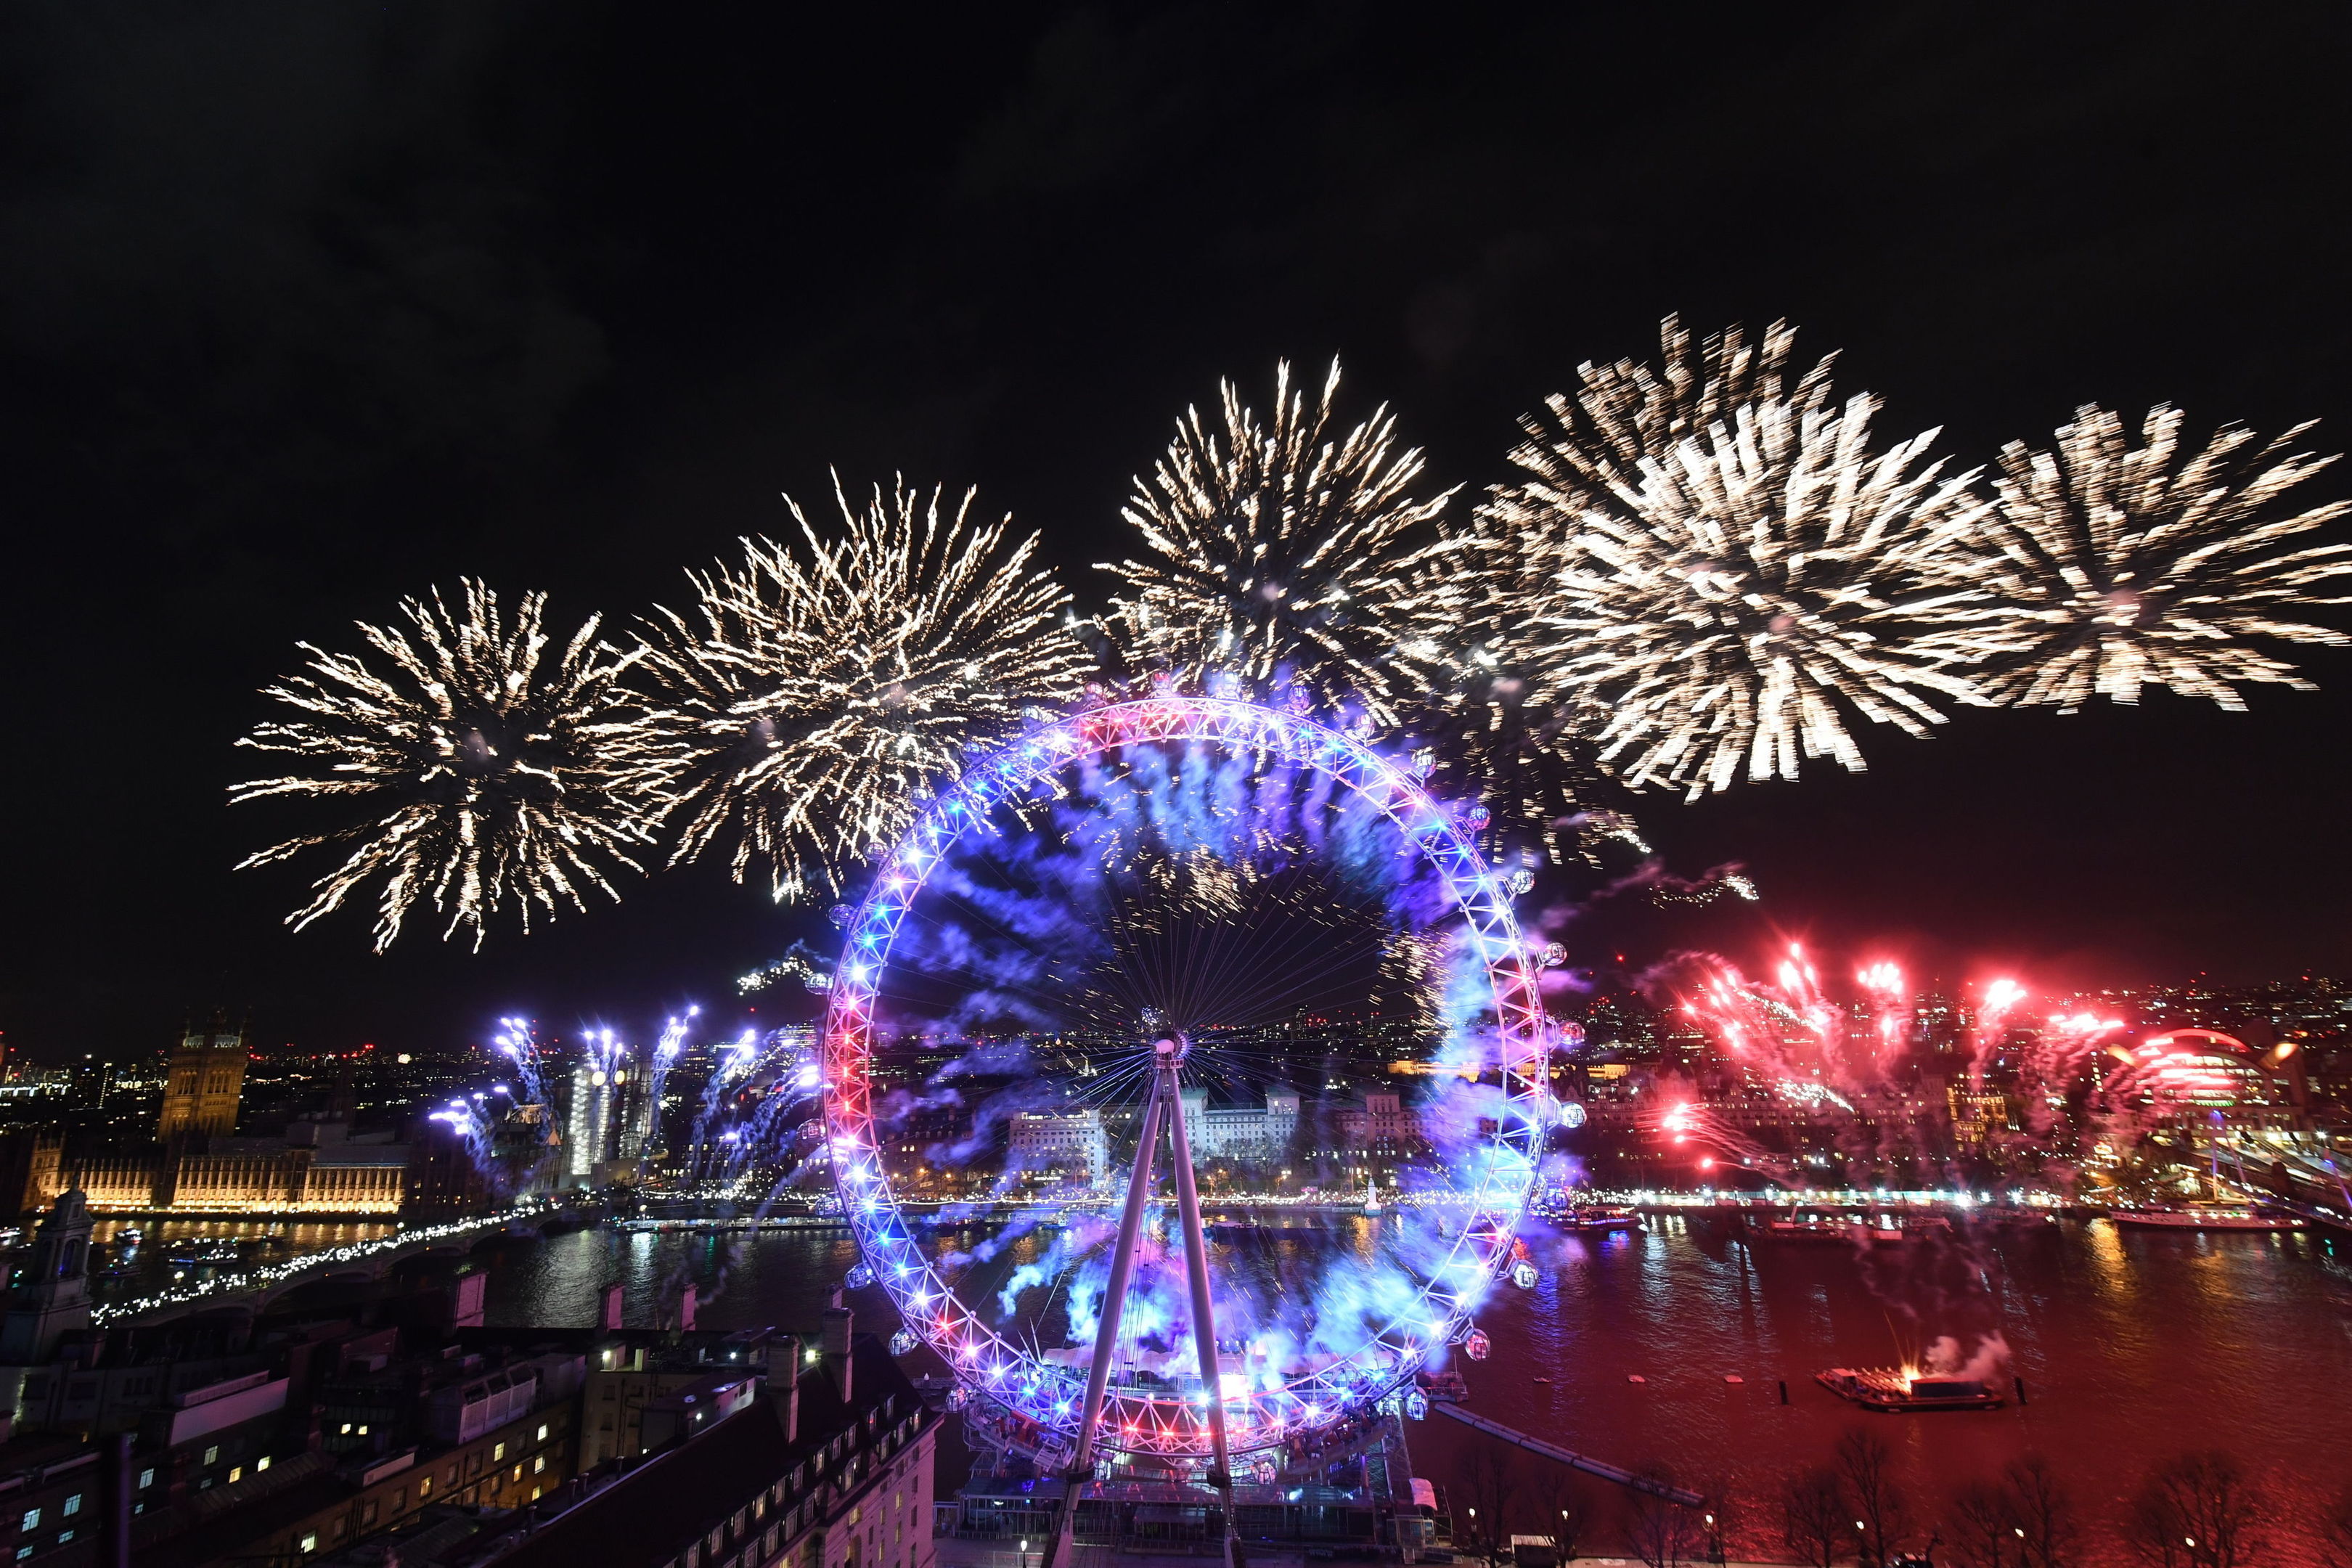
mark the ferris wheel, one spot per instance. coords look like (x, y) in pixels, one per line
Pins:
(1092, 930)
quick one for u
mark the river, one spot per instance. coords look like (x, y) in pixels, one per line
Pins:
(2133, 1346)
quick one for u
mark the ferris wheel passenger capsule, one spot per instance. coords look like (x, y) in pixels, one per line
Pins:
(1475, 1344)
(902, 1343)
(858, 1278)
(1523, 1275)
(1519, 881)
(1417, 1405)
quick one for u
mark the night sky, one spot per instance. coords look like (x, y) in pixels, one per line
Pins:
(304, 308)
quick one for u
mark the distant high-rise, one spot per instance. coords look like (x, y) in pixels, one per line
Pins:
(205, 1079)
(593, 1112)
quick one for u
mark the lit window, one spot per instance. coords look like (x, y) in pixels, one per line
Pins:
(32, 1520)
(346, 1431)
(64, 1536)
(258, 1465)
(22, 1553)
(147, 1478)
(212, 1453)
(542, 1431)
(310, 1541)
(362, 1428)
(236, 1474)
(537, 1464)
(497, 1453)
(73, 1505)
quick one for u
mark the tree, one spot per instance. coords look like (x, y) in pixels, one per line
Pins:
(1880, 1515)
(2197, 1510)
(1719, 1516)
(2025, 1520)
(1489, 1481)
(1662, 1534)
(2042, 1510)
(1568, 1513)
(1983, 1529)
(1816, 1519)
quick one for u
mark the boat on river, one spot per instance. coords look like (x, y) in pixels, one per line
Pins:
(1892, 1391)
(1590, 1217)
(1849, 1229)
(2204, 1217)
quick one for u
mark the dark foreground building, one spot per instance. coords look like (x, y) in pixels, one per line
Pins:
(823, 1466)
(399, 1430)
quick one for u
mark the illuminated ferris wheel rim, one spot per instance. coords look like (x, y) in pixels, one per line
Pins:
(987, 1364)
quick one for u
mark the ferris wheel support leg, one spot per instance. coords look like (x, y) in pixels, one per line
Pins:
(1204, 1317)
(1114, 1303)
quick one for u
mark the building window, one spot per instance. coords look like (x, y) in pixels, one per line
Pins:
(73, 1505)
(542, 1431)
(310, 1541)
(497, 1453)
(147, 1478)
(346, 1431)
(362, 1428)
(537, 1464)
(22, 1553)
(32, 1520)
(64, 1536)
(236, 1474)
(212, 1453)
(260, 1465)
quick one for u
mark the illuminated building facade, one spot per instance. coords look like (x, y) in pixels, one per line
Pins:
(1240, 1132)
(1073, 1142)
(204, 1082)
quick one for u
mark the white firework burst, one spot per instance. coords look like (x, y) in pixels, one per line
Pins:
(1733, 564)
(814, 695)
(2116, 566)
(1495, 723)
(1275, 555)
(495, 778)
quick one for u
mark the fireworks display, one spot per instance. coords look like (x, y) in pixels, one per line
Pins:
(493, 777)
(1280, 557)
(1731, 560)
(1706, 569)
(814, 695)
(2115, 566)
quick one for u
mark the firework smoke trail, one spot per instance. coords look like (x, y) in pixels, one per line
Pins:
(473, 1126)
(1886, 1000)
(816, 692)
(518, 1044)
(499, 778)
(2112, 567)
(666, 1046)
(800, 962)
(732, 1061)
(1732, 564)
(1276, 556)
(1686, 1122)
